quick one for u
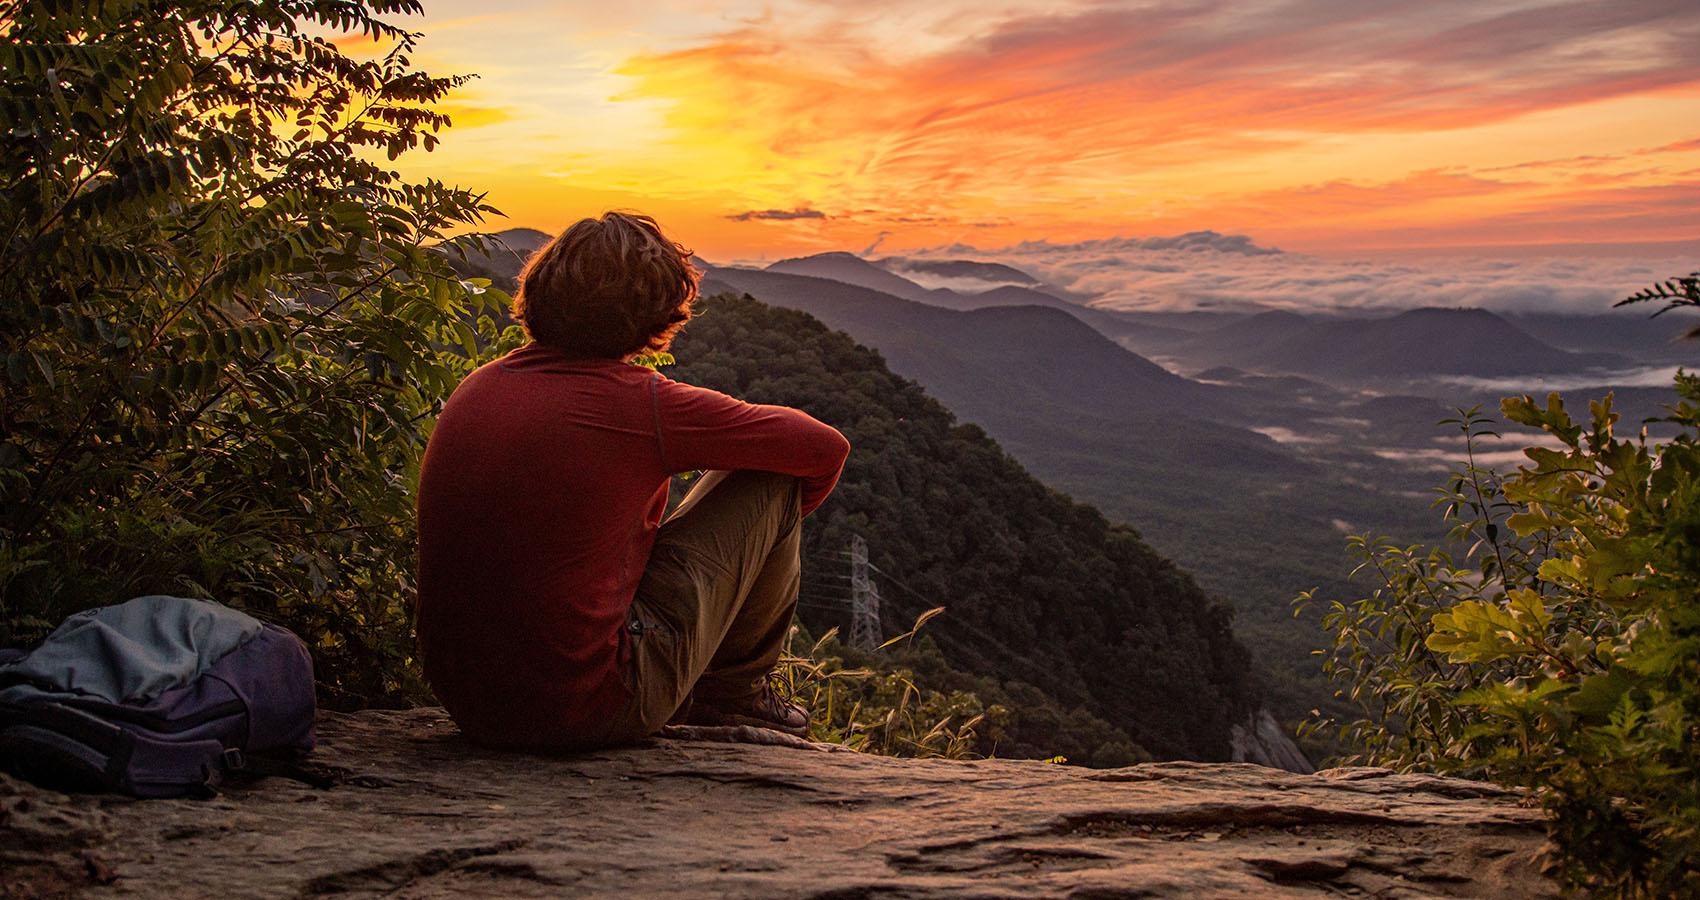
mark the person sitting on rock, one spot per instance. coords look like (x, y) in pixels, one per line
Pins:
(558, 607)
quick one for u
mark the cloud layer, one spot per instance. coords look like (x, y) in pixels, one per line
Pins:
(1207, 270)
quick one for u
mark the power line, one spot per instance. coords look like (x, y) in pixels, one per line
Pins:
(957, 629)
(865, 631)
(954, 630)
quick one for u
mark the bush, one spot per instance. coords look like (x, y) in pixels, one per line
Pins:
(225, 330)
(1560, 650)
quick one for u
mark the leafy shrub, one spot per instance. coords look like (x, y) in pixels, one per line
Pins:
(225, 330)
(1559, 650)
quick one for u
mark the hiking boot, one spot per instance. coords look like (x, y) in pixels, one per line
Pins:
(763, 709)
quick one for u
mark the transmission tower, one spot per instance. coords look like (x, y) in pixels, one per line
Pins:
(864, 599)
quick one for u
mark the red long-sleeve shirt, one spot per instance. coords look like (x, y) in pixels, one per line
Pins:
(542, 487)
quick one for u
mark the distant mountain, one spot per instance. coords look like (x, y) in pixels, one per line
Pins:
(852, 269)
(1194, 321)
(885, 276)
(1629, 331)
(980, 361)
(1412, 344)
(502, 260)
(1017, 295)
(1252, 334)
(524, 241)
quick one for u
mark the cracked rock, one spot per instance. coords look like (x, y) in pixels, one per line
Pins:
(421, 813)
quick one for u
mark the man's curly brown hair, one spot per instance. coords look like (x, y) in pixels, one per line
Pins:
(609, 287)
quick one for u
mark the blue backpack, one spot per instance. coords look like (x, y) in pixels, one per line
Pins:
(157, 697)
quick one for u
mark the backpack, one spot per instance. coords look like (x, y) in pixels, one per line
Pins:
(157, 697)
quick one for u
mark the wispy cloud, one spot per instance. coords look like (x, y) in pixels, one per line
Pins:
(781, 215)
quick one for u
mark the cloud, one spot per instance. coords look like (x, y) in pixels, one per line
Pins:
(1061, 117)
(1193, 241)
(781, 215)
(1639, 376)
(1596, 160)
(962, 284)
(1184, 273)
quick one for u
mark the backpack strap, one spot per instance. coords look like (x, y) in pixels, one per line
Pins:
(156, 768)
(47, 757)
(61, 746)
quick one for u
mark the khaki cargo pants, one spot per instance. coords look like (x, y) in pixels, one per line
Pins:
(716, 599)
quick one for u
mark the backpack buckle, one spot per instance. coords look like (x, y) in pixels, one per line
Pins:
(234, 760)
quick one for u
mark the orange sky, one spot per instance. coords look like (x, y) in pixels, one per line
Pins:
(1330, 126)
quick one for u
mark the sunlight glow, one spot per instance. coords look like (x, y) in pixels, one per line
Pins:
(1316, 125)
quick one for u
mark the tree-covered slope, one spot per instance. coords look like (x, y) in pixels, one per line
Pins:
(1039, 590)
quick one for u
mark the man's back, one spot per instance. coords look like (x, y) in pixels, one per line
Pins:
(539, 497)
(542, 489)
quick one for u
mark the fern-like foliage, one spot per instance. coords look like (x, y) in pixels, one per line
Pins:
(1673, 293)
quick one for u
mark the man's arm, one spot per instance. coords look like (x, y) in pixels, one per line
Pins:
(703, 429)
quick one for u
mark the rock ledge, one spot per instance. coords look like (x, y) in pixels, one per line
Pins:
(427, 815)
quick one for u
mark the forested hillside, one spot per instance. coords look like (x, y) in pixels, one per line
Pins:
(1040, 591)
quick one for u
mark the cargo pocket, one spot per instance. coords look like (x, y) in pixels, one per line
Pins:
(657, 673)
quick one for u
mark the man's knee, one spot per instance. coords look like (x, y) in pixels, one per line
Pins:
(719, 517)
(769, 480)
(785, 491)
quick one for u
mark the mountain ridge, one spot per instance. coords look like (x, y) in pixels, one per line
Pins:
(1413, 343)
(851, 269)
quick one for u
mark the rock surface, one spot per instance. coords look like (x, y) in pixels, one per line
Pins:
(426, 815)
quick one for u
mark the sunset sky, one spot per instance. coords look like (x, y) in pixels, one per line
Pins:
(1330, 127)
